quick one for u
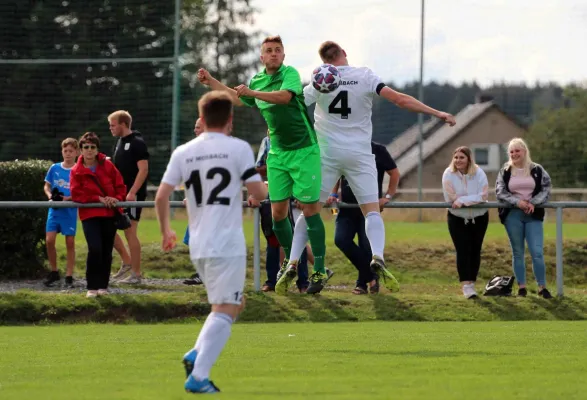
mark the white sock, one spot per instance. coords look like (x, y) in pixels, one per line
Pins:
(375, 230)
(300, 238)
(198, 344)
(211, 341)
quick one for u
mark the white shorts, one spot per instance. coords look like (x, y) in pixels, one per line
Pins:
(223, 277)
(358, 169)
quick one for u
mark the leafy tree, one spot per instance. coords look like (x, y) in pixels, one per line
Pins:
(557, 139)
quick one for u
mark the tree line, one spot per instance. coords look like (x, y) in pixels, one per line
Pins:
(40, 104)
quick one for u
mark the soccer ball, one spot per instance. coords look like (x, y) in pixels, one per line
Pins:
(325, 78)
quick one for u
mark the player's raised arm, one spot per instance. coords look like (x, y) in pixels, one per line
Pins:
(207, 79)
(276, 97)
(411, 104)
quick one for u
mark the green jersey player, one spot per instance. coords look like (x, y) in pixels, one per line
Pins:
(293, 162)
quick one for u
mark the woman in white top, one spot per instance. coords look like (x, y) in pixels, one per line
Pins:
(465, 184)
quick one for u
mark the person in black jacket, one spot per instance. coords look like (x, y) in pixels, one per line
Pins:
(131, 158)
(525, 185)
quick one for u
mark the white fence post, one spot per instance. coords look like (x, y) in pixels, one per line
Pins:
(559, 251)
(257, 249)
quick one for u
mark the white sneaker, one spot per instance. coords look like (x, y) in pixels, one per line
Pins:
(122, 272)
(132, 279)
(469, 291)
(102, 292)
(92, 293)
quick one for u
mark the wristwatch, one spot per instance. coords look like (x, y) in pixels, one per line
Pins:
(388, 196)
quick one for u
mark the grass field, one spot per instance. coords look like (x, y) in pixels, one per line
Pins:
(428, 232)
(419, 253)
(374, 360)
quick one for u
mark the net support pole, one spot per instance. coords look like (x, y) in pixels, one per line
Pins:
(420, 116)
(176, 82)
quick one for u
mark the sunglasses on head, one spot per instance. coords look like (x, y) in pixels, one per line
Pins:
(89, 147)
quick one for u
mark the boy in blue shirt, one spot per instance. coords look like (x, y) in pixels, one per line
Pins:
(61, 220)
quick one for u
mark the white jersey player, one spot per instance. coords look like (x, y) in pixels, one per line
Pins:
(344, 129)
(213, 168)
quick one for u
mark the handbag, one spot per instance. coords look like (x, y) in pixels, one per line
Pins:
(121, 220)
(499, 286)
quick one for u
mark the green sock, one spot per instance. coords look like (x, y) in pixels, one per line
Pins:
(284, 233)
(317, 237)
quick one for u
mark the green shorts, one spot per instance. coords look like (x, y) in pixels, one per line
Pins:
(294, 173)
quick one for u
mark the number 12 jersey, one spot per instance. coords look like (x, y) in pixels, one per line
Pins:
(342, 118)
(213, 167)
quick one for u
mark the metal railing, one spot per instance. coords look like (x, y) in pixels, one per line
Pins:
(558, 206)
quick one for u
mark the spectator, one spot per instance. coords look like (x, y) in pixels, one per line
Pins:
(95, 179)
(465, 184)
(61, 220)
(351, 221)
(131, 157)
(273, 256)
(524, 184)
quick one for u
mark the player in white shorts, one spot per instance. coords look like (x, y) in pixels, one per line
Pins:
(342, 120)
(213, 168)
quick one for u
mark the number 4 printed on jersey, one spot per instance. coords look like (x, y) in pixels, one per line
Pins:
(344, 110)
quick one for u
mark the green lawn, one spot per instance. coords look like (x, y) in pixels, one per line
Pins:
(418, 253)
(436, 232)
(372, 360)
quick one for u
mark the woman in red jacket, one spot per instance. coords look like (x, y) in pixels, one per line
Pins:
(94, 179)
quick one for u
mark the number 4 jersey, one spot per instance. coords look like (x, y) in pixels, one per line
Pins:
(342, 118)
(213, 167)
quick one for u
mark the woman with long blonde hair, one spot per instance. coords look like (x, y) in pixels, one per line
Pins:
(465, 184)
(524, 184)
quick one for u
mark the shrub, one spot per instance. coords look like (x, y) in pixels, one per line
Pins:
(22, 230)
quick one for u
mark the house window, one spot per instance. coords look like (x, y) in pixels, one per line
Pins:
(481, 156)
(488, 156)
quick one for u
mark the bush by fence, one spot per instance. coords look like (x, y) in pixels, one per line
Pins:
(22, 231)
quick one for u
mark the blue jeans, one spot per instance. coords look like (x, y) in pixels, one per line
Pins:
(351, 222)
(272, 267)
(520, 226)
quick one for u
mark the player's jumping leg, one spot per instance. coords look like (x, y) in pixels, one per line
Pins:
(280, 187)
(283, 231)
(375, 230)
(362, 178)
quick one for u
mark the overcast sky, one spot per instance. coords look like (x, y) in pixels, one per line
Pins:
(465, 40)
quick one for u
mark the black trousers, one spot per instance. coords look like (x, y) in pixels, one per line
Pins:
(100, 233)
(468, 241)
(351, 222)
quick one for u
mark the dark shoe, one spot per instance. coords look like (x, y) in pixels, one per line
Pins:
(544, 293)
(317, 282)
(522, 292)
(303, 289)
(267, 288)
(69, 282)
(194, 280)
(52, 278)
